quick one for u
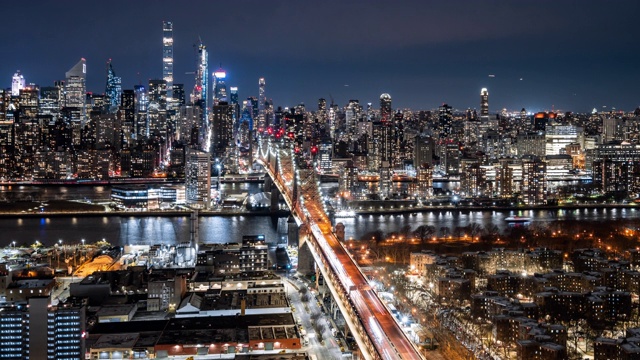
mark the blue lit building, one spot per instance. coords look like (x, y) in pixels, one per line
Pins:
(113, 90)
(35, 330)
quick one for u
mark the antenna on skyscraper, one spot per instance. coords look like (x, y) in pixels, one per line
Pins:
(331, 97)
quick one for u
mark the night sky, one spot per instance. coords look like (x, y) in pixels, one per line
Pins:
(573, 55)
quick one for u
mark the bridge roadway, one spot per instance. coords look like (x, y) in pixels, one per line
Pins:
(381, 328)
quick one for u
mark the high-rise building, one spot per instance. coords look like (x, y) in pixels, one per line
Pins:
(76, 88)
(222, 132)
(50, 100)
(17, 83)
(113, 89)
(616, 167)
(557, 137)
(385, 108)
(199, 97)
(534, 181)
(198, 179)
(423, 151)
(127, 115)
(41, 331)
(219, 86)
(484, 103)
(179, 98)
(262, 100)
(141, 104)
(233, 95)
(473, 182)
(157, 109)
(167, 57)
(445, 120)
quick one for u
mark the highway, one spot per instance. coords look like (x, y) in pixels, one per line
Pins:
(383, 331)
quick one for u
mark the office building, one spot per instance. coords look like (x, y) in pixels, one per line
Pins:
(41, 331)
(198, 179)
(167, 57)
(76, 88)
(558, 137)
(141, 104)
(222, 128)
(484, 104)
(534, 181)
(262, 100)
(17, 83)
(616, 167)
(113, 89)
(385, 108)
(219, 86)
(199, 96)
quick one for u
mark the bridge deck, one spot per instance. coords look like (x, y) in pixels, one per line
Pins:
(382, 329)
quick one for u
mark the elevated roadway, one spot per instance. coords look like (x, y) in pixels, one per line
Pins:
(375, 329)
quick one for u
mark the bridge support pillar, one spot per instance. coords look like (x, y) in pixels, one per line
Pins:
(293, 238)
(275, 199)
(306, 262)
(268, 184)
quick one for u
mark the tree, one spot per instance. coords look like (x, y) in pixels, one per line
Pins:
(474, 229)
(424, 233)
(405, 231)
(444, 231)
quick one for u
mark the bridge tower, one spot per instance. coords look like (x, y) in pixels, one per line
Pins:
(306, 262)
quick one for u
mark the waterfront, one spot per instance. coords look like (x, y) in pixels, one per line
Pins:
(123, 230)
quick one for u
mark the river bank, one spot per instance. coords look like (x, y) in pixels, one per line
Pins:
(77, 208)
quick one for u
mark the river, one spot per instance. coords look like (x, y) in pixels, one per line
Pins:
(127, 229)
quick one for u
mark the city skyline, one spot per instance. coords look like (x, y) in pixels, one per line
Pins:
(540, 55)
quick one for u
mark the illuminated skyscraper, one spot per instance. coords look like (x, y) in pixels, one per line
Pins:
(262, 99)
(141, 104)
(222, 128)
(113, 90)
(233, 101)
(484, 103)
(17, 83)
(198, 179)
(200, 89)
(157, 110)
(178, 95)
(385, 108)
(233, 98)
(167, 57)
(75, 86)
(219, 87)
(445, 120)
(127, 112)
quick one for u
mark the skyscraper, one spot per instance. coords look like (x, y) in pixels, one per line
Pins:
(113, 89)
(127, 111)
(42, 331)
(178, 95)
(262, 99)
(167, 57)
(233, 98)
(200, 93)
(222, 128)
(17, 83)
(484, 103)
(385, 108)
(157, 109)
(198, 179)
(219, 86)
(75, 86)
(141, 104)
